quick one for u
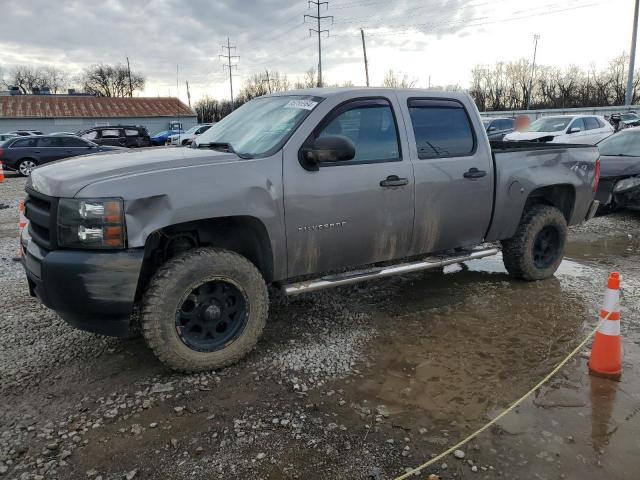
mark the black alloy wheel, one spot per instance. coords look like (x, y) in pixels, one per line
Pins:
(212, 315)
(546, 247)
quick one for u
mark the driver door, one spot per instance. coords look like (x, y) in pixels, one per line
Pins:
(349, 214)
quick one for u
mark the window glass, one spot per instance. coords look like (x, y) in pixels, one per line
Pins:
(131, 133)
(505, 124)
(49, 142)
(442, 131)
(92, 135)
(73, 142)
(25, 142)
(549, 124)
(621, 144)
(577, 123)
(111, 133)
(591, 123)
(371, 129)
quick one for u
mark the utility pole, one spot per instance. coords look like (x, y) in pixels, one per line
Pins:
(634, 37)
(229, 65)
(188, 94)
(319, 31)
(129, 73)
(536, 37)
(364, 50)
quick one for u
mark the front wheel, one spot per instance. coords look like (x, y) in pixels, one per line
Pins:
(537, 248)
(26, 166)
(204, 310)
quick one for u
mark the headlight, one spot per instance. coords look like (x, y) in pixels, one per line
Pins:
(91, 223)
(626, 184)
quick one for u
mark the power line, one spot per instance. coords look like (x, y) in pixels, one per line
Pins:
(230, 65)
(319, 31)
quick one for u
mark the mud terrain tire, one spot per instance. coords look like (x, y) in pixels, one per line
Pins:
(536, 249)
(194, 275)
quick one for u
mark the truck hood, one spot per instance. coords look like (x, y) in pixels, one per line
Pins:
(614, 166)
(529, 136)
(66, 178)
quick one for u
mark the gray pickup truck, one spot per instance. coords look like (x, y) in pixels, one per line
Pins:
(299, 190)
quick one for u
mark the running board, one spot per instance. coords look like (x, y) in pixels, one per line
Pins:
(382, 272)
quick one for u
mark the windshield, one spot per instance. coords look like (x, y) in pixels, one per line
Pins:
(164, 132)
(193, 129)
(261, 125)
(629, 116)
(625, 143)
(549, 124)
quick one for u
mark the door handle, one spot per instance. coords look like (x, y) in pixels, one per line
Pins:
(474, 173)
(394, 181)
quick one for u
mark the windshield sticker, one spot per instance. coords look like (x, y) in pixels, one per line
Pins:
(303, 104)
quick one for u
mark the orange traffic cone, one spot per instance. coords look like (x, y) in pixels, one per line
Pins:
(606, 353)
(1, 173)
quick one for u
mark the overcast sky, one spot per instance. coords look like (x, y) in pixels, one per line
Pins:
(441, 39)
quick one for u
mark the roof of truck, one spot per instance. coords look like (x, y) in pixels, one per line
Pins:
(331, 91)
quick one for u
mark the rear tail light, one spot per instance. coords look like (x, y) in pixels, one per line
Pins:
(596, 177)
(1, 152)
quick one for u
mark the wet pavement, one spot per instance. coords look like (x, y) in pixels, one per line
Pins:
(357, 382)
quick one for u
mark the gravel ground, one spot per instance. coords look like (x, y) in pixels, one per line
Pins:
(359, 382)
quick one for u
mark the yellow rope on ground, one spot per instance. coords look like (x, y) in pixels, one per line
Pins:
(513, 405)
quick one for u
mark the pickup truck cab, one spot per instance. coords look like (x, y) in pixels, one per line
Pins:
(298, 190)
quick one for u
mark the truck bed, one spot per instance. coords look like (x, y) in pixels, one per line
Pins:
(522, 167)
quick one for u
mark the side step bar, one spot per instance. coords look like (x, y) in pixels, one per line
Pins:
(370, 274)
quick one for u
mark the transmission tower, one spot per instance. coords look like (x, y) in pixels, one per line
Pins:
(228, 57)
(318, 18)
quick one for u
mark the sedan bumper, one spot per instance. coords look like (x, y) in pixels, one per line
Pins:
(92, 291)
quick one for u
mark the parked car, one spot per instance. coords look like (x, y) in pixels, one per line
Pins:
(580, 129)
(130, 136)
(497, 128)
(161, 138)
(6, 136)
(25, 154)
(620, 170)
(26, 133)
(187, 137)
(286, 191)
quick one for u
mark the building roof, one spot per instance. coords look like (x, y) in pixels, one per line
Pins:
(72, 106)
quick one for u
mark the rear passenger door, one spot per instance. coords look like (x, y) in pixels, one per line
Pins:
(112, 136)
(453, 174)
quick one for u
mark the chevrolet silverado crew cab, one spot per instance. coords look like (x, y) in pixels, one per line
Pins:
(299, 190)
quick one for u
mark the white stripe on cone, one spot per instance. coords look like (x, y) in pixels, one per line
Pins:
(611, 301)
(610, 327)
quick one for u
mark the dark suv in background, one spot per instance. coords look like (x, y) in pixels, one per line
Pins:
(23, 154)
(497, 128)
(131, 136)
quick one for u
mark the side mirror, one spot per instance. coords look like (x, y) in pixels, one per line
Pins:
(575, 130)
(491, 129)
(332, 148)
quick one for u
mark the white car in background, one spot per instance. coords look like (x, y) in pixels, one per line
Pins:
(581, 129)
(188, 136)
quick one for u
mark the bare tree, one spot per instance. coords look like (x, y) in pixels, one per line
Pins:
(110, 80)
(391, 79)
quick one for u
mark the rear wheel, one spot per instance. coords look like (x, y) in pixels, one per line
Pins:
(537, 248)
(26, 166)
(204, 309)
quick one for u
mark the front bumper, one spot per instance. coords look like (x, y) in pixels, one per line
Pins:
(92, 291)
